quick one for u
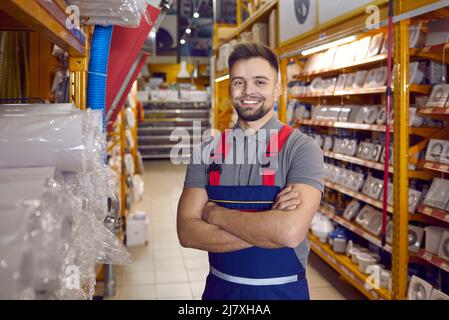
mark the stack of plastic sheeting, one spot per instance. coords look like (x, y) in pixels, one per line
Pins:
(54, 189)
(112, 12)
(61, 136)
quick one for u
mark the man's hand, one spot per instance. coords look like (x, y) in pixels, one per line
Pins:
(287, 199)
(207, 211)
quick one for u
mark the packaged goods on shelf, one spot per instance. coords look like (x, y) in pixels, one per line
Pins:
(260, 32)
(436, 72)
(437, 150)
(224, 51)
(115, 12)
(137, 229)
(419, 289)
(443, 251)
(375, 45)
(417, 37)
(292, 69)
(321, 226)
(438, 295)
(70, 201)
(434, 235)
(438, 194)
(362, 48)
(273, 34)
(47, 237)
(439, 95)
(417, 72)
(437, 32)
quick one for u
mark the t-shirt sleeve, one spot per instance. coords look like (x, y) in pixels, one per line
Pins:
(307, 165)
(196, 174)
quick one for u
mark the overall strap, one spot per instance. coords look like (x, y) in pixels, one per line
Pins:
(220, 153)
(269, 175)
(268, 178)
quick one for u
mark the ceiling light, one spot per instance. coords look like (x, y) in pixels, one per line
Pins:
(182, 41)
(328, 45)
(196, 15)
(222, 78)
(188, 31)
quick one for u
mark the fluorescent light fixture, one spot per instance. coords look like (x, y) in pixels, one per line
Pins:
(328, 45)
(196, 15)
(188, 31)
(182, 41)
(222, 78)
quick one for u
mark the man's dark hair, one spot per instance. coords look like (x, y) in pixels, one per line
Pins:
(248, 50)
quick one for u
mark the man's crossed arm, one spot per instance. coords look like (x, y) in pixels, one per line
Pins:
(206, 226)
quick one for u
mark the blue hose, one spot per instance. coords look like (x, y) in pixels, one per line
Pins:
(98, 69)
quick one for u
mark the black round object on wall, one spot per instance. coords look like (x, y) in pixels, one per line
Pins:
(302, 8)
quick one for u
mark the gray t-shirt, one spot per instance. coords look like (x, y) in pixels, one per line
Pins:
(299, 161)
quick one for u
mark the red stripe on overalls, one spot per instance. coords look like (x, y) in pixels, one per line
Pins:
(269, 176)
(214, 175)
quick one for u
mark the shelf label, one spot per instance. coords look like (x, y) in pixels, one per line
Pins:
(427, 256)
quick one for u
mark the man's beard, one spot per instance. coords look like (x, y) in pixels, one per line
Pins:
(251, 113)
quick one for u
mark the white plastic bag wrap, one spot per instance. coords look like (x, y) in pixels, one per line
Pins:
(49, 245)
(35, 236)
(43, 140)
(52, 232)
(112, 12)
(87, 148)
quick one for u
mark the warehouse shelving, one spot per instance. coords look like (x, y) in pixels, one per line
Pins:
(357, 195)
(354, 160)
(434, 213)
(353, 24)
(47, 18)
(355, 228)
(259, 15)
(162, 118)
(422, 254)
(434, 166)
(434, 111)
(344, 266)
(419, 131)
(344, 68)
(418, 174)
(341, 125)
(415, 88)
(434, 260)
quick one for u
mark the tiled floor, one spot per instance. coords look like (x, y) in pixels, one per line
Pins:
(165, 270)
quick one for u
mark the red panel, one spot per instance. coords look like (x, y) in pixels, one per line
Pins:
(142, 60)
(126, 44)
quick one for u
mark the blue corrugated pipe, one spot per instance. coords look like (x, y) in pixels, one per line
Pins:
(98, 69)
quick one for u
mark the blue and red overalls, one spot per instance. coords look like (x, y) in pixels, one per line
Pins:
(254, 273)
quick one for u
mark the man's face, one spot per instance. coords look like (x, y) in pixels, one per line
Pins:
(253, 88)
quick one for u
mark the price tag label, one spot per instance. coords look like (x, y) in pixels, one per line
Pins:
(427, 256)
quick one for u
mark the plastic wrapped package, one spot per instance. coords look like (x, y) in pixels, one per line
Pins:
(36, 109)
(54, 140)
(41, 236)
(60, 223)
(51, 234)
(112, 12)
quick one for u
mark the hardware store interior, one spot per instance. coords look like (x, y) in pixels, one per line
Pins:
(102, 103)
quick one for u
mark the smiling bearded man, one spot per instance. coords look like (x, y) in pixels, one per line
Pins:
(253, 218)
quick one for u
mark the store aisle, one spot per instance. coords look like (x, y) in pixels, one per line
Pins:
(165, 270)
